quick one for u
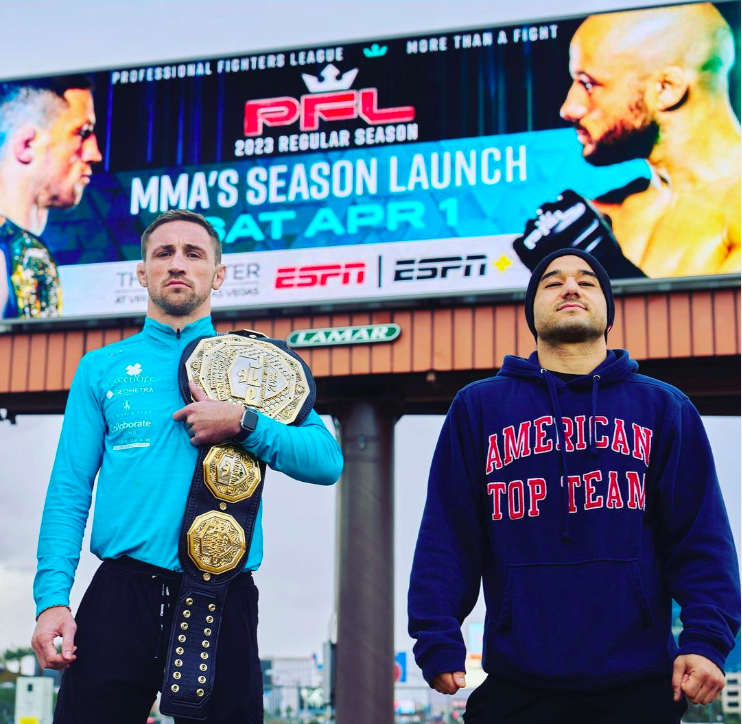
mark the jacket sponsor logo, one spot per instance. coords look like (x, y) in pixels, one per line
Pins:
(440, 267)
(320, 275)
(130, 445)
(139, 379)
(130, 425)
(135, 369)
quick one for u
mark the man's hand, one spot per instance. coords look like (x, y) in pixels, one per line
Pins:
(209, 421)
(697, 677)
(449, 683)
(54, 622)
(573, 222)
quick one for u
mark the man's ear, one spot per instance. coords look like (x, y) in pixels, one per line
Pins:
(141, 274)
(671, 88)
(22, 144)
(219, 277)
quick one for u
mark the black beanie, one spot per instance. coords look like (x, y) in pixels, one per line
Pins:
(595, 265)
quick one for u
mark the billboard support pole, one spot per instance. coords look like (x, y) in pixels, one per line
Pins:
(365, 585)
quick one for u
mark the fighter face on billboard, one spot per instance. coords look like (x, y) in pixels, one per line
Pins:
(47, 149)
(651, 84)
(606, 103)
(66, 151)
(633, 71)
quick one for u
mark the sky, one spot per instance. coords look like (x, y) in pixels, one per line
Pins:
(297, 576)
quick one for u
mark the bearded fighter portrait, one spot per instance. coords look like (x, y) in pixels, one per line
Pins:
(651, 84)
(47, 151)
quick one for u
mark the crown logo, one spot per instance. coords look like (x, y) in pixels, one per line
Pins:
(331, 80)
(375, 51)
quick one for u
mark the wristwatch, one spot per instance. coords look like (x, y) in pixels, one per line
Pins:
(248, 423)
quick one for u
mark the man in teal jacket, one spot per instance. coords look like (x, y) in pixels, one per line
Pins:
(125, 422)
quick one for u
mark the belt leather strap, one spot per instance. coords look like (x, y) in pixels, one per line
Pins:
(227, 526)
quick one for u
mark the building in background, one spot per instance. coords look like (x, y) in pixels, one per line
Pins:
(730, 694)
(291, 685)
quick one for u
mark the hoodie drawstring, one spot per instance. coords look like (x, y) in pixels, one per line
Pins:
(593, 428)
(556, 409)
(163, 619)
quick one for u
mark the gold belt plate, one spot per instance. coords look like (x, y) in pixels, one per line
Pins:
(251, 372)
(230, 472)
(216, 542)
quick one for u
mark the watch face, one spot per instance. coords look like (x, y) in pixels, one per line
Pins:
(249, 420)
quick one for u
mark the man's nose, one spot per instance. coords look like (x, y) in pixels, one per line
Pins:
(571, 288)
(177, 263)
(90, 151)
(574, 107)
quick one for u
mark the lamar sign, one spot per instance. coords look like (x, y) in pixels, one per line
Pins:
(330, 336)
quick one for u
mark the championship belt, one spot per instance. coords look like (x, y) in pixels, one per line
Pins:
(247, 369)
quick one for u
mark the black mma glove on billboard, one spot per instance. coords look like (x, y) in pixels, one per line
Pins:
(573, 221)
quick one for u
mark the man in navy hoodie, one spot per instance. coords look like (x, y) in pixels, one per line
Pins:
(584, 497)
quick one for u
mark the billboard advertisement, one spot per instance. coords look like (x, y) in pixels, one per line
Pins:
(446, 163)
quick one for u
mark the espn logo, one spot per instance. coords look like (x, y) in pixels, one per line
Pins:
(440, 267)
(320, 275)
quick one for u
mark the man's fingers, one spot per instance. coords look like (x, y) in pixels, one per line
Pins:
(678, 670)
(68, 640)
(39, 651)
(58, 662)
(197, 393)
(709, 689)
(715, 693)
(449, 683)
(48, 654)
(443, 684)
(59, 666)
(47, 649)
(446, 684)
(692, 686)
(703, 693)
(182, 414)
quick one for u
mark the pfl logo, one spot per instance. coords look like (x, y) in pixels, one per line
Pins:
(330, 99)
(320, 275)
(439, 267)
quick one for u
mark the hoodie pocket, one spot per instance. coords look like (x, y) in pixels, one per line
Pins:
(587, 620)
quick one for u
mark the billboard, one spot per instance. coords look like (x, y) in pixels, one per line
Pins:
(447, 164)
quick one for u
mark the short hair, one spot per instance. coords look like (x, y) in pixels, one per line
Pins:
(38, 101)
(182, 215)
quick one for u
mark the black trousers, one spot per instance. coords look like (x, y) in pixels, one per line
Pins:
(498, 701)
(123, 629)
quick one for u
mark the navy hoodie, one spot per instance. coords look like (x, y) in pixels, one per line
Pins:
(581, 533)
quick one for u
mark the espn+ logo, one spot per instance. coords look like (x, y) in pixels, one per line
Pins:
(440, 267)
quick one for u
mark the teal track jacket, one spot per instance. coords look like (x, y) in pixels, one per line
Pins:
(118, 421)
